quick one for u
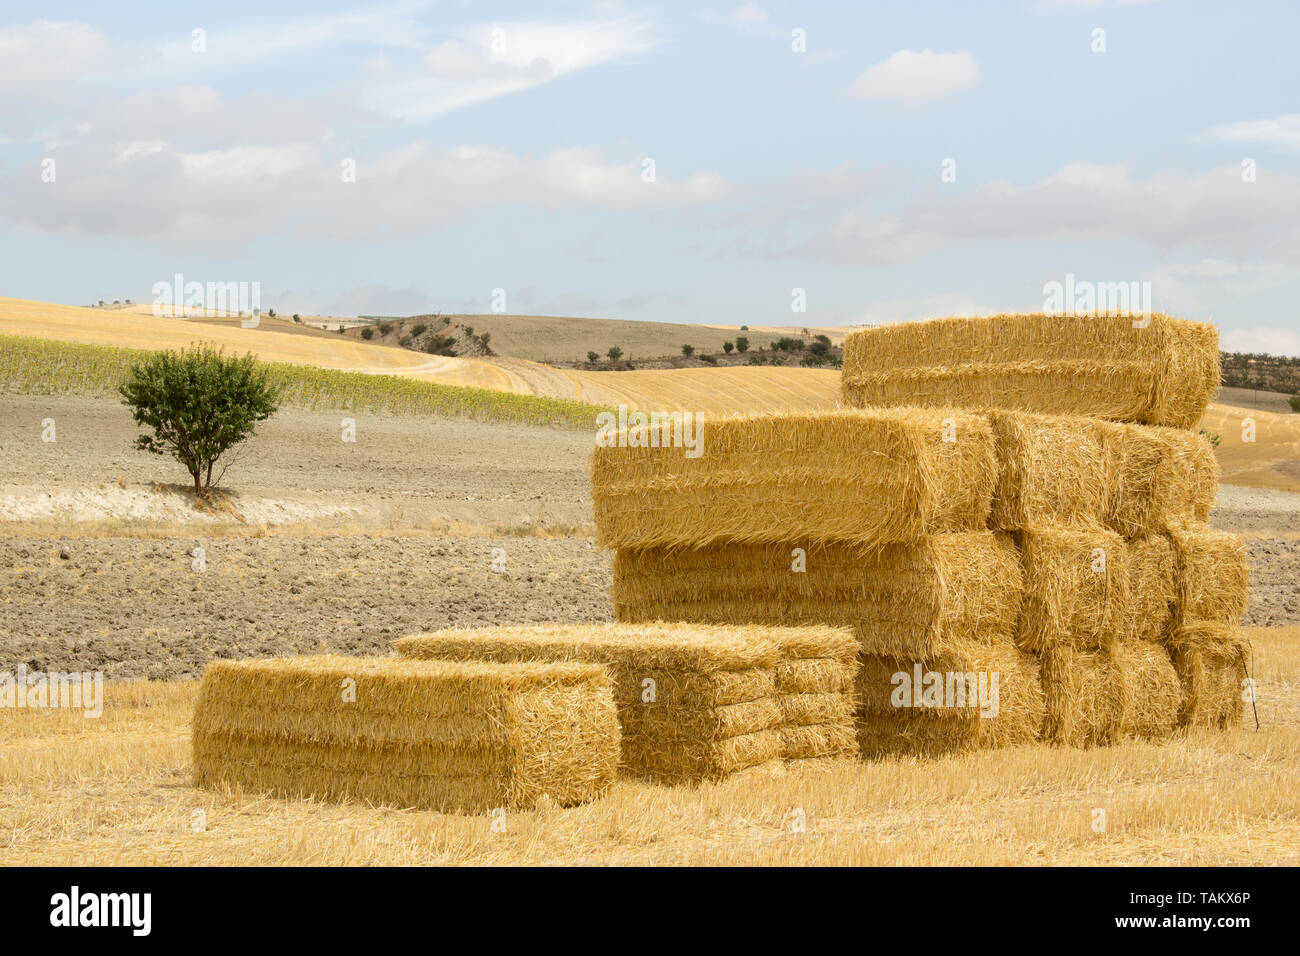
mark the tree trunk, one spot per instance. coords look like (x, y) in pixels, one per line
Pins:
(198, 489)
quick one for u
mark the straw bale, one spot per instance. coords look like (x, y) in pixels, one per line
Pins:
(868, 477)
(1097, 365)
(1163, 477)
(1053, 470)
(1085, 694)
(1153, 695)
(692, 699)
(1152, 588)
(812, 741)
(1210, 660)
(1212, 575)
(669, 760)
(1016, 697)
(437, 735)
(1076, 589)
(902, 600)
(885, 729)
(1073, 471)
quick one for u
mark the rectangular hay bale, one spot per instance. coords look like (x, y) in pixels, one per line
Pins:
(437, 735)
(1076, 589)
(1164, 372)
(1153, 695)
(891, 723)
(1151, 588)
(694, 701)
(902, 599)
(1073, 471)
(867, 477)
(1085, 696)
(1212, 575)
(1210, 659)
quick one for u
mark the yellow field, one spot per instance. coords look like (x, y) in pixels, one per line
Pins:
(116, 791)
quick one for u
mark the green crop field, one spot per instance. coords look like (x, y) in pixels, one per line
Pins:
(47, 367)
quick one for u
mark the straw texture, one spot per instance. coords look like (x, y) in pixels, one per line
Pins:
(902, 600)
(869, 477)
(436, 735)
(1096, 365)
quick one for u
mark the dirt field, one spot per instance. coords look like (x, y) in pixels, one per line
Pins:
(345, 547)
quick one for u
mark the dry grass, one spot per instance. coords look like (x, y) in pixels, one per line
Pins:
(116, 791)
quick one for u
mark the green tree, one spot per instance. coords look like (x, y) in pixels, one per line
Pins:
(727, 347)
(688, 350)
(593, 358)
(742, 344)
(614, 353)
(367, 333)
(199, 404)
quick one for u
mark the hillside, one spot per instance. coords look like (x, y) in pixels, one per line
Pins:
(542, 338)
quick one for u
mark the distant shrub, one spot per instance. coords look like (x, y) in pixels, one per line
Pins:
(614, 353)
(593, 358)
(297, 317)
(385, 328)
(742, 343)
(688, 350)
(1294, 402)
(744, 328)
(367, 333)
(727, 347)
(419, 328)
(709, 359)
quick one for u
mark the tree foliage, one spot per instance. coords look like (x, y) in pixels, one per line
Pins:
(199, 403)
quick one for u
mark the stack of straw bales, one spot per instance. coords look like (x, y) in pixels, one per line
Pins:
(1130, 599)
(871, 519)
(441, 735)
(695, 702)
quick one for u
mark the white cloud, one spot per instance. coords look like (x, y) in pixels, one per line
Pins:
(1269, 339)
(912, 77)
(492, 60)
(155, 190)
(42, 57)
(393, 26)
(1279, 131)
(1213, 211)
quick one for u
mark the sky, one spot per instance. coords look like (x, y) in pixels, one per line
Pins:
(868, 162)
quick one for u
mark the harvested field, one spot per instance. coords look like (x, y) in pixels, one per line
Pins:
(117, 791)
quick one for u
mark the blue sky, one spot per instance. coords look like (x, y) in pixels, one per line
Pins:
(505, 146)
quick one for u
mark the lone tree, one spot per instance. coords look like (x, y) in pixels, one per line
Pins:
(688, 350)
(614, 353)
(727, 347)
(593, 358)
(199, 404)
(742, 344)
